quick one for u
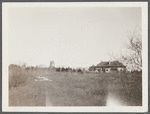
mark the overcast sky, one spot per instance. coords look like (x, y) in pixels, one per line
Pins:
(75, 37)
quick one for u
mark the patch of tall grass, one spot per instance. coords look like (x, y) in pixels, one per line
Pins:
(20, 76)
(17, 76)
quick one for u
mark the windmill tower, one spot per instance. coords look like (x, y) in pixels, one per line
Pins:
(52, 64)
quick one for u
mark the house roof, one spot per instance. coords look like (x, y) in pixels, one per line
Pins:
(109, 64)
(103, 64)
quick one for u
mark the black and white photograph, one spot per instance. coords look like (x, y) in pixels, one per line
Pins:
(75, 57)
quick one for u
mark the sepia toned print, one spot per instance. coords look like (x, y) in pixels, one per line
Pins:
(75, 57)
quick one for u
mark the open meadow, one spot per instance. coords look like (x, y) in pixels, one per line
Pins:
(72, 89)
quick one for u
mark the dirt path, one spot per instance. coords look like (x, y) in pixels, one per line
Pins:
(48, 102)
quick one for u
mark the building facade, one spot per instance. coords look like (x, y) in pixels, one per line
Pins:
(108, 66)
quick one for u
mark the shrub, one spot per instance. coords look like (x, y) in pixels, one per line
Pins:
(17, 76)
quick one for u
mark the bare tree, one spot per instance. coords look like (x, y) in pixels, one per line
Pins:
(132, 59)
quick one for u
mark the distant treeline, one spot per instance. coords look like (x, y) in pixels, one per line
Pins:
(69, 70)
(57, 69)
(60, 69)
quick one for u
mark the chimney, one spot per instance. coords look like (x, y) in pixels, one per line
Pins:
(109, 62)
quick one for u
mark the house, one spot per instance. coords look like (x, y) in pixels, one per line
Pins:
(108, 66)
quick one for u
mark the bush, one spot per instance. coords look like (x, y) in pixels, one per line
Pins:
(17, 76)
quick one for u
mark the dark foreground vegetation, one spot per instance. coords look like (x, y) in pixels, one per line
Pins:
(71, 88)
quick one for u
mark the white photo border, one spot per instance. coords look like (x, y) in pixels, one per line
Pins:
(5, 57)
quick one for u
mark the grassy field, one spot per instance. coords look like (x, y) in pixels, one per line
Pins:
(77, 90)
(24, 90)
(71, 89)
